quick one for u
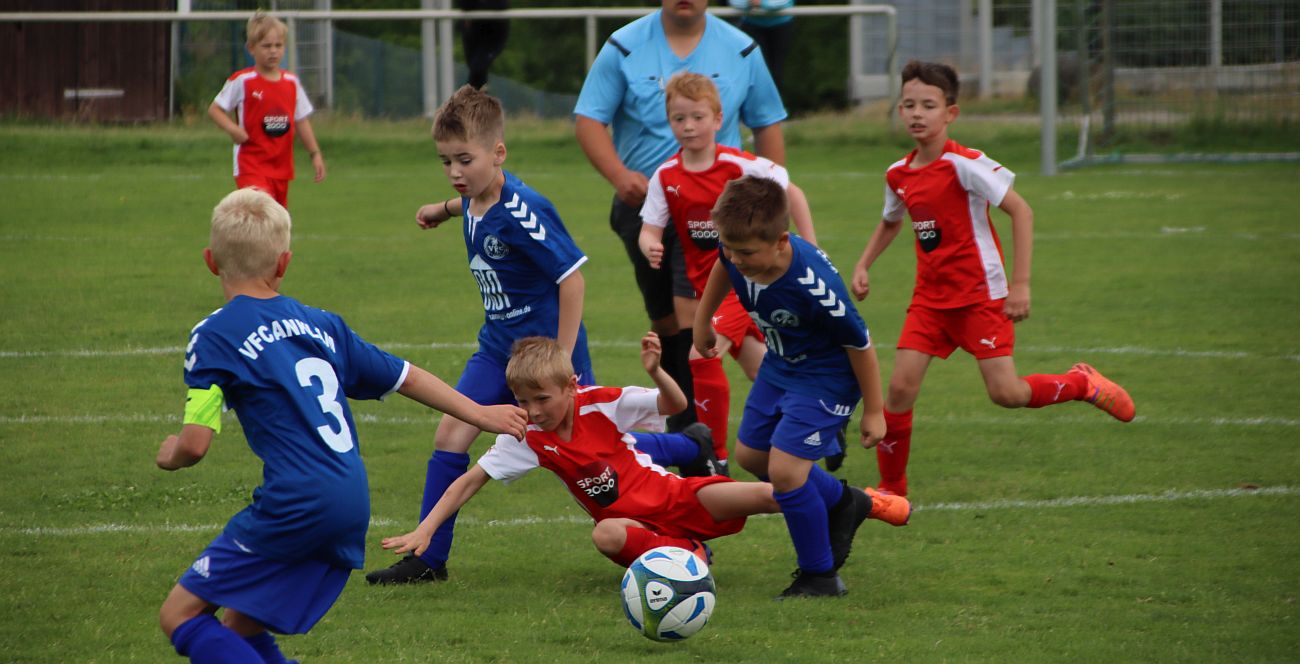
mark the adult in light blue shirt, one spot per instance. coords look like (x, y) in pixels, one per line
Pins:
(624, 91)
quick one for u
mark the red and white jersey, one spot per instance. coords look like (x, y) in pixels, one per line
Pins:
(599, 463)
(958, 255)
(686, 198)
(267, 110)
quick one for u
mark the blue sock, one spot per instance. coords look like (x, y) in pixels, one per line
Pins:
(206, 641)
(444, 468)
(264, 644)
(805, 518)
(828, 486)
(667, 449)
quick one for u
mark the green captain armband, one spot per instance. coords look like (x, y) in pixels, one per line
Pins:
(203, 407)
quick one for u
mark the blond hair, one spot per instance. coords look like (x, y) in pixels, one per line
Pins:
(694, 87)
(534, 360)
(752, 207)
(470, 115)
(249, 232)
(261, 25)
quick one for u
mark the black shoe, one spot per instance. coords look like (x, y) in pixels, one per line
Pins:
(835, 461)
(706, 463)
(407, 570)
(814, 585)
(844, 519)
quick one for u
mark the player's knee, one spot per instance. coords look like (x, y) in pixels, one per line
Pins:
(608, 537)
(902, 395)
(1007, 398)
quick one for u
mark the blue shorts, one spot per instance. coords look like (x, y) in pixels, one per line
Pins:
(286, 597)
(799, 425)
(484, 381)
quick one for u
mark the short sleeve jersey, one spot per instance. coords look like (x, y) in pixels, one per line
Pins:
(958, 254)
(269, 111)
(288, 370)
(519, 252)
(625, 87)
(808, 321)
(686, 198)
(599, 464)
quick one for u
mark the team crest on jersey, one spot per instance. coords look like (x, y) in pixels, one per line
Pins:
(495, 248)
(784, 318)
(275, 123)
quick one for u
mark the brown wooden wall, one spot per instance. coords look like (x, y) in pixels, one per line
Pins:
(41, 64)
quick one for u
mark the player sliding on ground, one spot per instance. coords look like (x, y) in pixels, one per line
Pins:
(962, 296)
(580, 433)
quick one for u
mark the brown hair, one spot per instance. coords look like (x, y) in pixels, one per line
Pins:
(249, 232)
(537, 359)
(752, 207)
(934, 73)
(470, 114)
(694, 87)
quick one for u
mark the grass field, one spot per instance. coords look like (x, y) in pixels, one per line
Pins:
(1039, 536)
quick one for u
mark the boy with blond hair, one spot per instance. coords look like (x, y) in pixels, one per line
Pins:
(819, 363)
(680, 194)
(287, 370)
(270, 106)
(963, 298)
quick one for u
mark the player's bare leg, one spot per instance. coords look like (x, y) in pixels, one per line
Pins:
(1005, 387)
(256, 634)
(732, 500)
(624, 540)
(188, 622)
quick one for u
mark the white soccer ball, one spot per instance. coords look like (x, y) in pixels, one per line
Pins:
(668, 594)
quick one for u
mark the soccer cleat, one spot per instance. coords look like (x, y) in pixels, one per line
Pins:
(814, 585)
(893, 510)
(702, 551)
(843, 521)
(706, 464)
(835, 461)
(1106, 394)
(407, 570)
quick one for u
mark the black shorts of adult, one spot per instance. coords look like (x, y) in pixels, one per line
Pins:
(657, 286)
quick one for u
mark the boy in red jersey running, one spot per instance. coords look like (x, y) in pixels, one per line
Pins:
(962, 296)
(682, 193)
(270, 106)
(579, 433)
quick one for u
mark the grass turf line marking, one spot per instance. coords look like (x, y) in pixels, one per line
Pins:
(1169, 496)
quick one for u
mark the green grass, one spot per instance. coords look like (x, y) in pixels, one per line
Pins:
(1179, 281)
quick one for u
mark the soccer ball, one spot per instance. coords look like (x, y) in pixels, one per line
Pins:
(668, 594)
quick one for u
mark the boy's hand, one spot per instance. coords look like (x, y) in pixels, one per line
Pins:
(651, 352)
(318, 164)
(510, 420)
(872, 428)
(1017, 305)
(414, 541)
(706, 342)
(653, 252)
(166, 451)
(239, 136)
(430, 216)
(861, 284)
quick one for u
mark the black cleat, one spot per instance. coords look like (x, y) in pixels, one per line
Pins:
(706, 463)
(843, 521)
(835, 461)
(807, 584)
(407, 570)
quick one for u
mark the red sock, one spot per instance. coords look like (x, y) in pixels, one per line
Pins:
(712, 399)
(1047, 389)
(640, 540)
(892, 452)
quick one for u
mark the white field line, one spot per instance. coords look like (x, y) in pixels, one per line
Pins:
(1170, 496)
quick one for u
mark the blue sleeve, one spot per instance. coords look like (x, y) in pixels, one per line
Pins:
(205, 364)
(368, 372)
(543, 238)
(603, 90)
(762, 105)
(844, 322)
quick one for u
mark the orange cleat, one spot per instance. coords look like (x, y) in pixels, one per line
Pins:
(1106, 394)
(893, 510)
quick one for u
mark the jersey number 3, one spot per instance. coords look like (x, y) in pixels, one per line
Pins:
(314, 367)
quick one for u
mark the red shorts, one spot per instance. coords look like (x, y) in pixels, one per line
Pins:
(278, 189)
(733, 322)
(688, 517)
(983, 330)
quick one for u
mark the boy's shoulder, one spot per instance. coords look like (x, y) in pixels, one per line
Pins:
(242, 74)
(954, 148)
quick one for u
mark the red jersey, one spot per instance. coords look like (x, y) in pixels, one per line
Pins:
(686, 198)
(958, 255)
(599, 464)
(268, 111)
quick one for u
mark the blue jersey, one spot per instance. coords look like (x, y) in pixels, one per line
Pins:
(519, 252)
(625, 87)
(808, 320)
(287, 370)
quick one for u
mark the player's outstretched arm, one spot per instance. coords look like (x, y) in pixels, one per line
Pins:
(428, 389)
(452, 500)
(433, 214)
(801, 213)
(1022, 235)
(866, 367)
(573, 290)
(880, 239)
(671, 398)
(185, 450)
(651, 242)
(719, 284)
(222, 120)
(308, 138)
